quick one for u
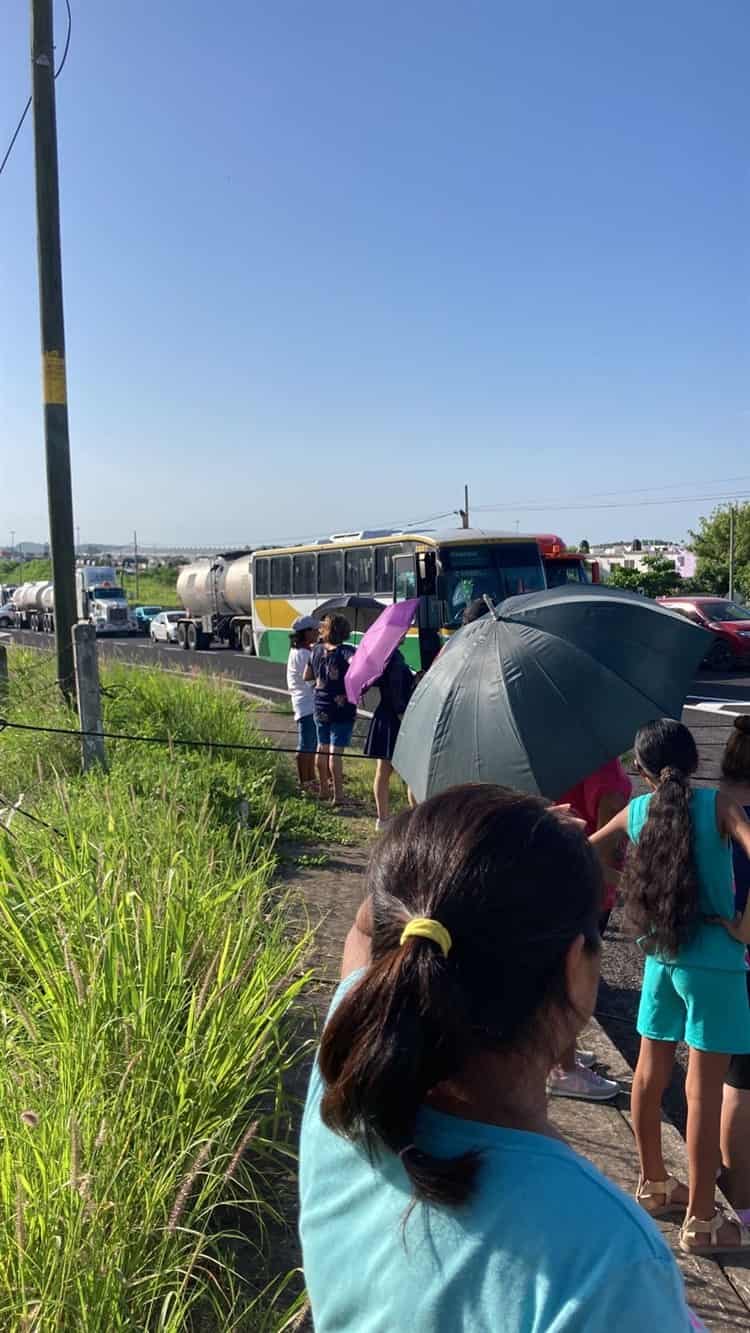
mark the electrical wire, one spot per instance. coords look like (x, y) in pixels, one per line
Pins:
(58, 72)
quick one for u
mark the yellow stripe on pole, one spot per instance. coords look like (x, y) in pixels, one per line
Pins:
(54, 379)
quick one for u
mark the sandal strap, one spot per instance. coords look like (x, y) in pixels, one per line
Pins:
(654, 1189)
(695, 1227)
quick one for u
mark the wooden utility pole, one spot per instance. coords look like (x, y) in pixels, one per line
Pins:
(57, 445)
(731, 552)
(135, 554)
(464, 513)
(89, 695)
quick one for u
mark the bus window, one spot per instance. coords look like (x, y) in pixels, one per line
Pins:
(560, 572)
(384, 556)
(261, 578)
(330, 572)
(496, 570)
(358, 569)
(303, 575)
(281, 575)
(405, 577)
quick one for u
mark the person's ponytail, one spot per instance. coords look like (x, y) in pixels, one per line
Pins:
(660, 880)
(400, 1031)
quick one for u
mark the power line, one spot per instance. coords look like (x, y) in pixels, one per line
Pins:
(615, 504)
(58, 72)
(635, 490)
(268, 749)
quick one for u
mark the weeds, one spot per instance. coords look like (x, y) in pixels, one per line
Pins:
(148, 971)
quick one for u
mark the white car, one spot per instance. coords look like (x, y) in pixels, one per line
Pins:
(164, 626)
(7, 615)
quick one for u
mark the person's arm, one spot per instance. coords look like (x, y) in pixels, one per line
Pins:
(733, 823)
(309, 672)
(358, 943)
(610, 806)
(607, 840)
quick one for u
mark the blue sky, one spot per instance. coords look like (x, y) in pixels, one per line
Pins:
(326, 262)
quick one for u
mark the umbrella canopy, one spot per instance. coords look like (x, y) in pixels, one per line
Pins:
(347, 601)
(377, 646)
(542, 693)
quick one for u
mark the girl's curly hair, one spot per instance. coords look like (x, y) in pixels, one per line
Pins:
(660, 879)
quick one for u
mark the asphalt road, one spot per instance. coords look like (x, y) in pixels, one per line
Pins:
(712, 702)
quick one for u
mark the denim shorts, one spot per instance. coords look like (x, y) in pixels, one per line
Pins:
(336, 734)
(307, 737)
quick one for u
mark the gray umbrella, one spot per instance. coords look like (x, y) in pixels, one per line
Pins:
(543, 691)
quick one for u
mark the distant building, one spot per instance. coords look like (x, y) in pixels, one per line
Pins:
(631, 555)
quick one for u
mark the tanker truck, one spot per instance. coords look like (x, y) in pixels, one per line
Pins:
(216, 595)
(99, 599)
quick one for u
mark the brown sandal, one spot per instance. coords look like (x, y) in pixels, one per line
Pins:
(650, 1191)
(693, 1228)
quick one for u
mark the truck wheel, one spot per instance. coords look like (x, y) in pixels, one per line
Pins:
(192, 636)
(246, 639)
(181, 635)
(34, 623)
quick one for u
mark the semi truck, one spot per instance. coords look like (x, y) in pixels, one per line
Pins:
(216, 595)
(99, 599)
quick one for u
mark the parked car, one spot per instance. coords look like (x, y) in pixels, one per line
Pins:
(728, 622)
(143, 617)
(7, 615)
(164, 626)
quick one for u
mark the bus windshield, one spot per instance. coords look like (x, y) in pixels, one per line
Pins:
(570, 569)
(496, 571)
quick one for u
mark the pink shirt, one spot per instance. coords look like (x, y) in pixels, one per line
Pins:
(586, 797)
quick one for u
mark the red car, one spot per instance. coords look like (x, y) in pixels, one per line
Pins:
(728, 622)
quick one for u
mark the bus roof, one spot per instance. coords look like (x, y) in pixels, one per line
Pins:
(426, 537)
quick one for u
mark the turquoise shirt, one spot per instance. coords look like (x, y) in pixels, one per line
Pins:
(546, 1245)
(711, 946)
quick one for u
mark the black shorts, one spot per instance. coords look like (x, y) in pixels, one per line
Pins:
(738, 1074)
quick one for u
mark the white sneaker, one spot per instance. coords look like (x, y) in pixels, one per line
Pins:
(380, 824)
(583, 1083)
(585, 1058)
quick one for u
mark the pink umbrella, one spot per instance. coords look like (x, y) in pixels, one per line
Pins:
(377, 646)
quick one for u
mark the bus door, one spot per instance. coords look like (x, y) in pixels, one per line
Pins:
(415, 575)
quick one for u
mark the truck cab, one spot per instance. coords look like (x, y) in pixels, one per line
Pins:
(102, 601)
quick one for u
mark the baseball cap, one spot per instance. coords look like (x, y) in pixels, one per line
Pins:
(304, 622)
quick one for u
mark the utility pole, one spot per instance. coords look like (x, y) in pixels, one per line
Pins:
(12, 540)
(57, 444)
(135, 554)
(464, 513)
(731, 552)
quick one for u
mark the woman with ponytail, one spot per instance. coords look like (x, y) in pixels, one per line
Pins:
(678, 893)
(435, 1193)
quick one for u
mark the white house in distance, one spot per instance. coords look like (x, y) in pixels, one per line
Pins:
(630, 555)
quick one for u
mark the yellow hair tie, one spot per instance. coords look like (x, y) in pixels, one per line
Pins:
(425, 928)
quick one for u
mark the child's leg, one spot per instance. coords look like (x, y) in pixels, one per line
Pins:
(321, 761)
(380, 787)
(337, 774)
(652, 1074)
(704, 1089)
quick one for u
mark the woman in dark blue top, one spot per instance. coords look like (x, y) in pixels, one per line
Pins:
(735, 1115)
(334, 715)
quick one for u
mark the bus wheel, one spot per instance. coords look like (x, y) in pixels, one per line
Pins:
(246, 639)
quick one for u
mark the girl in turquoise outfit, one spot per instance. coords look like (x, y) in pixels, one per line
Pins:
(679, 894)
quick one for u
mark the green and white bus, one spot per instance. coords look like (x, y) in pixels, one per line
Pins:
(447, 570)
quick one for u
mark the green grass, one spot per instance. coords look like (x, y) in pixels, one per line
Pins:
(25, 571)
(148, 971)
(155, 587)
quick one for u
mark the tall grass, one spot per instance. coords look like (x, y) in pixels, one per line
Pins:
(148, 970)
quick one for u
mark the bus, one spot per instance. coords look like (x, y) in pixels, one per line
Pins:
(447, 570)
(562, 566)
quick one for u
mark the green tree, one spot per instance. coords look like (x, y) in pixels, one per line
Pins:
(711, 545)
(658, 578)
